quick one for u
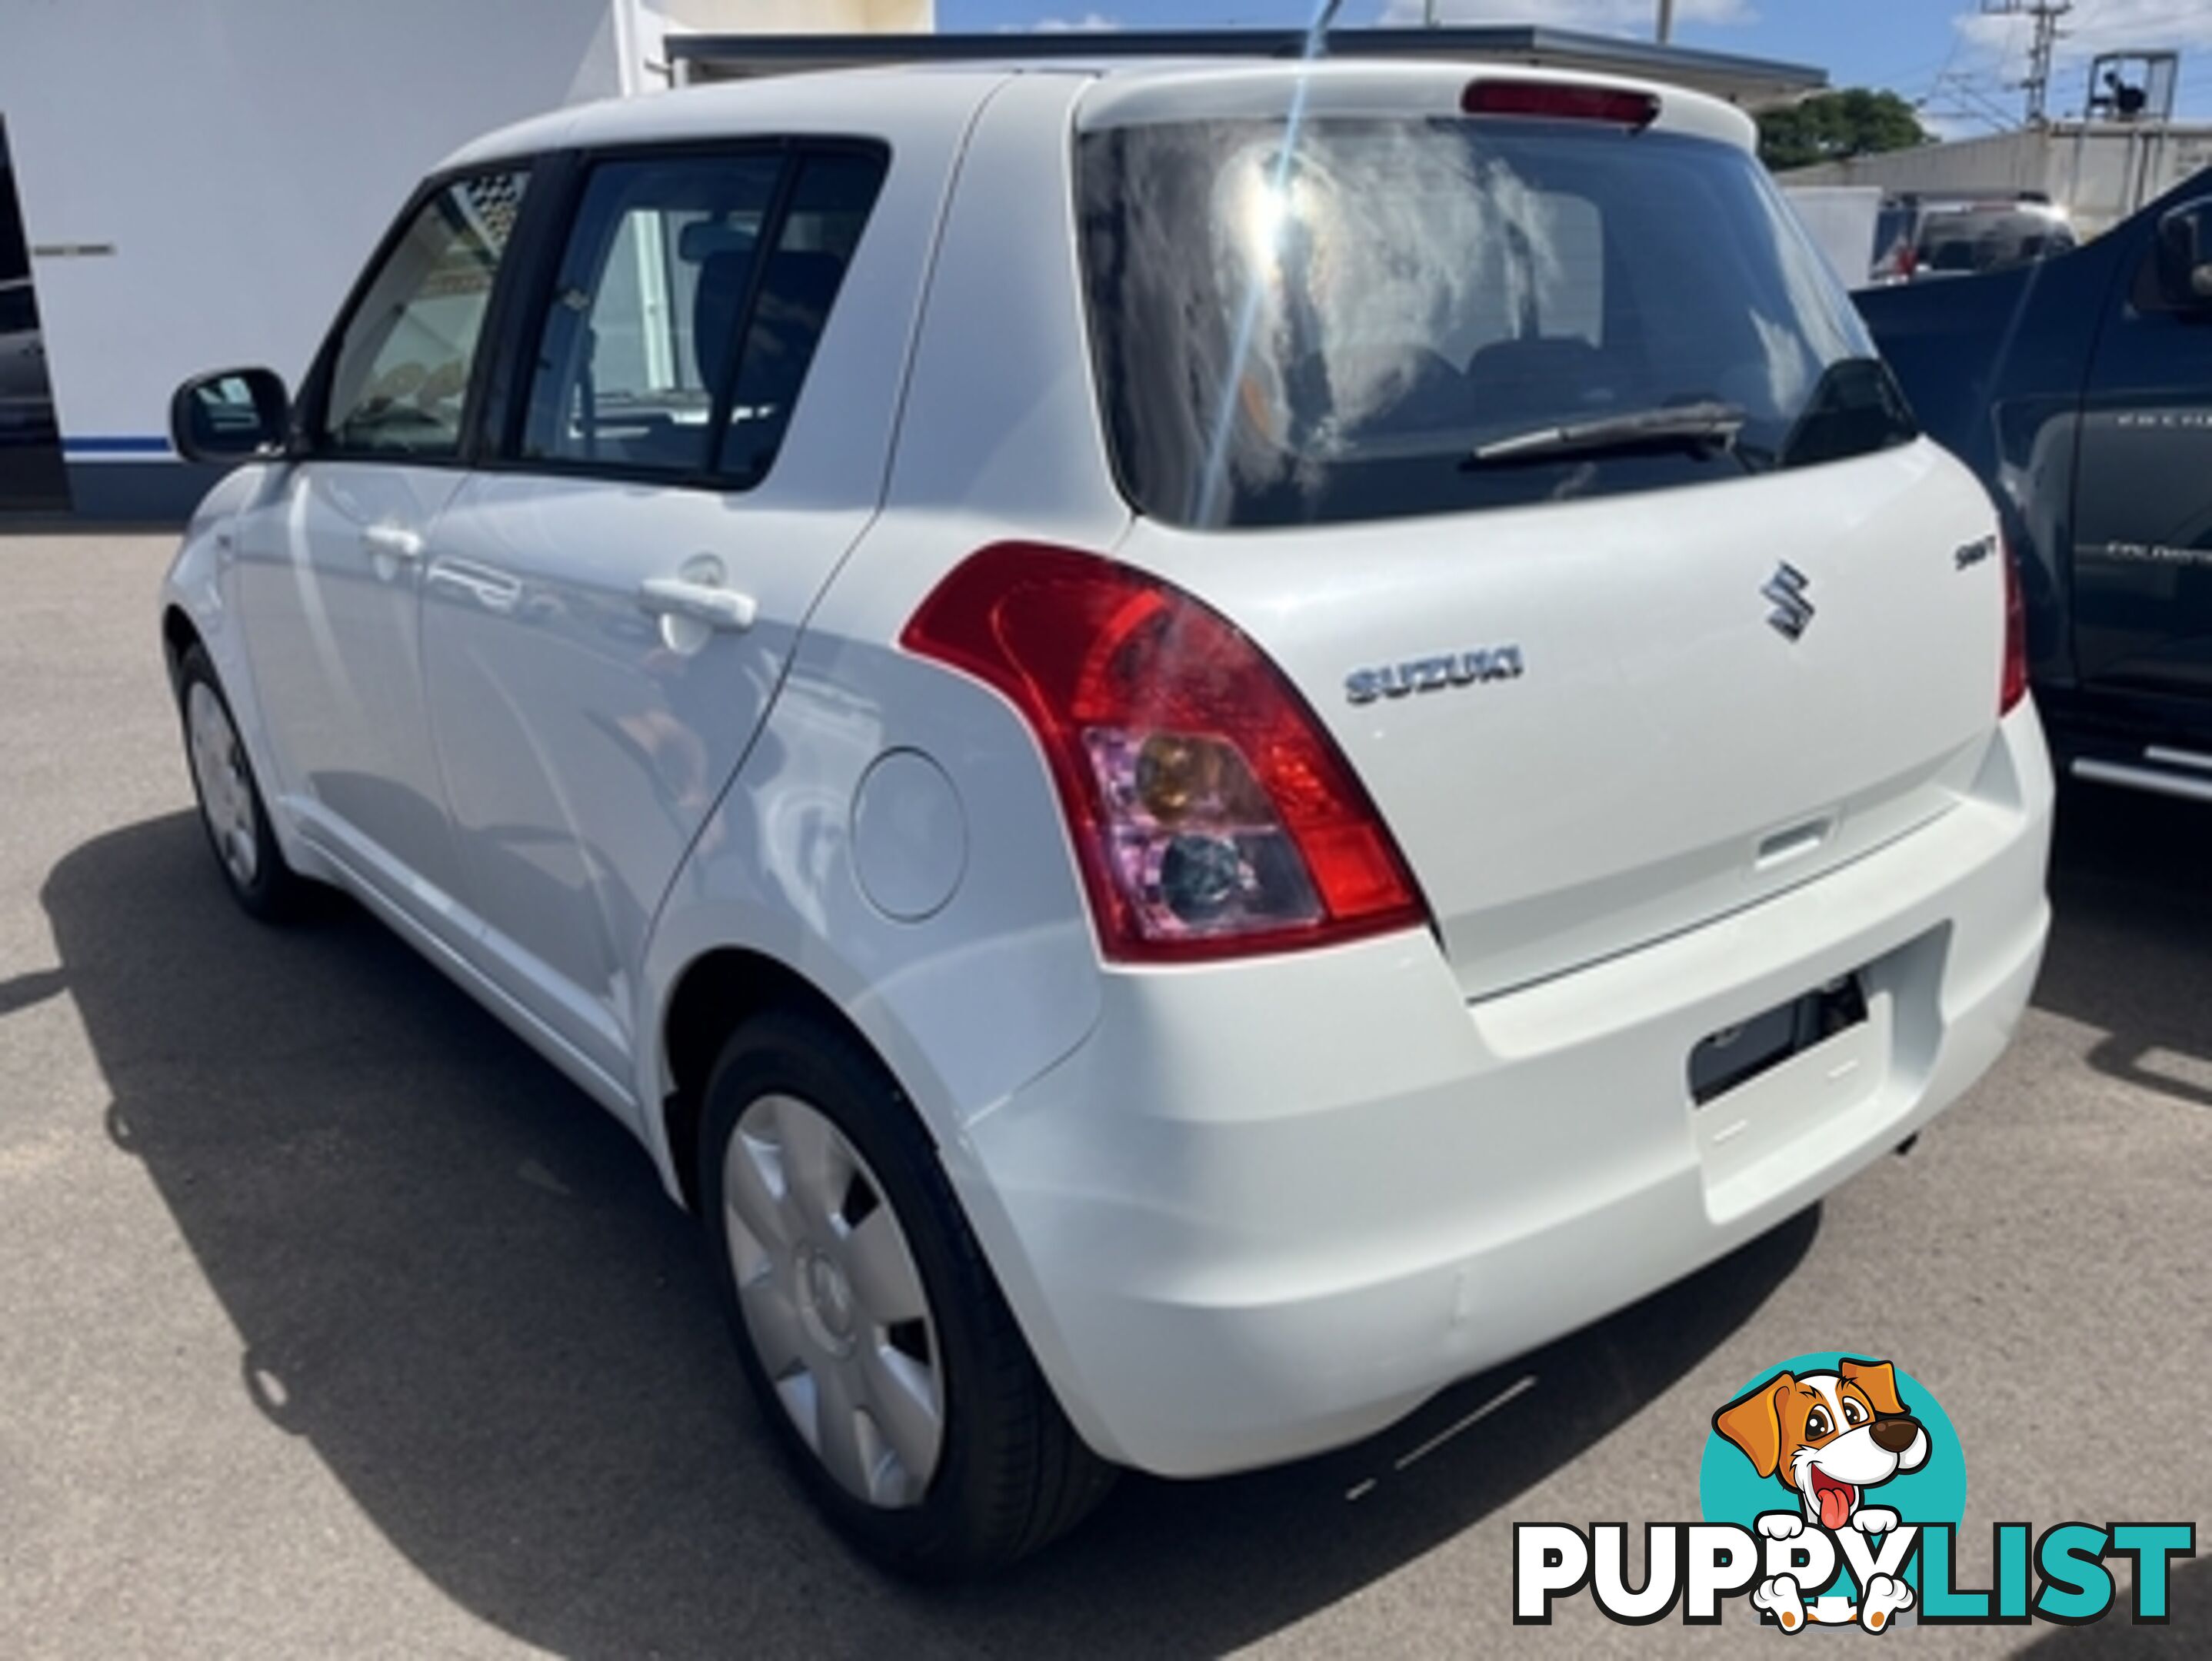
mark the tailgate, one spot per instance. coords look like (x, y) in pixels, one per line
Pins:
(1665, 753)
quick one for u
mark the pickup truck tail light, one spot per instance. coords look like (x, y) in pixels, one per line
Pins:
(2014, 686)
(1212, 816)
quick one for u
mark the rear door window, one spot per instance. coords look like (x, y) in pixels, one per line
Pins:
(1326, 323)
(690, 299)
(643, 318)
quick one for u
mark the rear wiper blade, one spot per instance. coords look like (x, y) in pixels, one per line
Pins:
(1706, 423)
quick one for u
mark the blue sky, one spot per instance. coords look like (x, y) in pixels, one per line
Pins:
(1943, 50)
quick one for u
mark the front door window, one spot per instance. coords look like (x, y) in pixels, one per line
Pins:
(403, 368)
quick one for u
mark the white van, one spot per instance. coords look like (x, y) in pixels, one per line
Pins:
(1197, 747)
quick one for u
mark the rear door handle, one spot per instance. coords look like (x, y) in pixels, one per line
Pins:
(724, 609)
(394, 541)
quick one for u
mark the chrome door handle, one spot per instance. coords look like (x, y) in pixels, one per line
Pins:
(394, 541)
(494, 591)
(718, 608)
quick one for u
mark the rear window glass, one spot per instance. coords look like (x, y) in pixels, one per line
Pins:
(1972, 240)
(1327, 324)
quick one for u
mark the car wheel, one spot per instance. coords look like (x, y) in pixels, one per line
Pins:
(877, 1341)
(231, 809)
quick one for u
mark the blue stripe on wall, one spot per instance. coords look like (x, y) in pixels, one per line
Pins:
(121, 446)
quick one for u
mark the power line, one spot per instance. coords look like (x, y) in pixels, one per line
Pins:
(1955, 97)
(2044, 14)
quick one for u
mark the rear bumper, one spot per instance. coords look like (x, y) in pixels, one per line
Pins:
(1267, 1209)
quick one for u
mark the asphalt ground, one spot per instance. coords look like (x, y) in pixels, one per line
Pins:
(334, 1323)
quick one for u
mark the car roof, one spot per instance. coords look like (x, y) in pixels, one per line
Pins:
(809, 102)
(884, 98)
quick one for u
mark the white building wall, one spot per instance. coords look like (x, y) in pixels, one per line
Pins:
(802, 16)
(228, 164)
(2100, 174)
(1841, 221)
(209, 175)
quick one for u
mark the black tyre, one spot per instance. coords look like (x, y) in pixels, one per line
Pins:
(231, 809)
(877, 1341)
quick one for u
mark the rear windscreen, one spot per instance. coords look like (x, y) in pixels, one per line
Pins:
(1326, 323)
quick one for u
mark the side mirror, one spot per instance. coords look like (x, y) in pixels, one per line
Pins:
(232, 416)
(2184, 255)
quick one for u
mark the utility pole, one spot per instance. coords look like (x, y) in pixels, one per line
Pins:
(1666, 20)
(2045, 15)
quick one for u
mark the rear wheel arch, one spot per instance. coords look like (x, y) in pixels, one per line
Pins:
(717, 993)
(1006, 1471)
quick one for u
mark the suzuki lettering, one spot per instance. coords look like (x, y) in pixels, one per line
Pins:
(1464, 669)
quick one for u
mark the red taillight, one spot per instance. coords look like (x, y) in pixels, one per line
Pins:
(2014, 686)
(1211, 814)
(1560, 100)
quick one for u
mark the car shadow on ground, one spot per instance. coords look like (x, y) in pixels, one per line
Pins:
(2131, 942)
(458, 1280)
(2189, 1618)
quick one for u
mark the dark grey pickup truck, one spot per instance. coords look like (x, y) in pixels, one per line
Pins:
(2080, 387)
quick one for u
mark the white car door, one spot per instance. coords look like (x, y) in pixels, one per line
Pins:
(330, 560)
(609, 609)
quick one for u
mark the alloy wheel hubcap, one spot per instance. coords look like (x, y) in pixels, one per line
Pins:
(833, 1303)
(226, 791)
(825, 1301)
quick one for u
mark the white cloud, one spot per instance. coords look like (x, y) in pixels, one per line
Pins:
(2092, 26)
(2096, 26)
(1607, 16)
(1088, 22)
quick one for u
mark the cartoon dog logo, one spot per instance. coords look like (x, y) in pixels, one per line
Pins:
(1828, 1437)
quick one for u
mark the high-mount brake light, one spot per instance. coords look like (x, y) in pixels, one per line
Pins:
(1211, 814)
(1560, 100)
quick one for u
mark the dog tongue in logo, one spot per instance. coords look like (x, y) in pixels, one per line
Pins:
(1833, 1498)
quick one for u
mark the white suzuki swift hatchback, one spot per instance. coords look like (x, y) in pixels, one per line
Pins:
(1198, 747)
